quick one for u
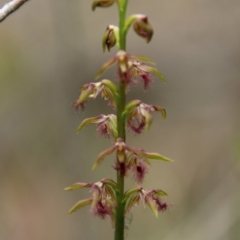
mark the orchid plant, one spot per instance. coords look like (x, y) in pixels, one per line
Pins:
(109, 197)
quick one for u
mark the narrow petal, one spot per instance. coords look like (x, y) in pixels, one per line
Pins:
(143, 59)
(79, 185)
(152, 205)
(159, 74)
(105, 67)
(86, 122)
(102, 155)
(157, 156)
(80, 204)
(162, 110)
(159, 193)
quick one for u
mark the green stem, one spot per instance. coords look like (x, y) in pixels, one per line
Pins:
(119, 218)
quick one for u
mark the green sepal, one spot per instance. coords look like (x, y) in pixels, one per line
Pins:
(149, 120)
(131, 198)
(144, 59)
(159, 75)
(102, 155)
(86, 122)
(157, 156)
(130, 192)
(84, 95)
(78, 186)
(153, 206)
(110, 182)
(163, 112)
(140, 153)
(114, 126)
(160, 193)
(110, 85)
(132, 104)
(80, 205)
(105, 66)
(129, 22)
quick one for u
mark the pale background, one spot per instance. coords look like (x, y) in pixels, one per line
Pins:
(49, 49)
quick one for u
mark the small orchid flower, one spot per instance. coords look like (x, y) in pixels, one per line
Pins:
(130, 67)
(106, 124)
(106, 87)
(148, 197)
(138, 115)
(123, 151)
(103, 200)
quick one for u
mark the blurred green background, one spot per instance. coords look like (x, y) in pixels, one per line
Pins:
(49, 49)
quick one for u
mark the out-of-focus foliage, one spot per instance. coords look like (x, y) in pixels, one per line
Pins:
(50, 49)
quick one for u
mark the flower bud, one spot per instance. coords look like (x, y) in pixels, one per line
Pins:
(142, 27)
(102, 3)
(110, 37)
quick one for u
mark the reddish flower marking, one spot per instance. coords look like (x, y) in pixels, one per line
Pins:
(102, 210)
(139, 170)
(79, 105)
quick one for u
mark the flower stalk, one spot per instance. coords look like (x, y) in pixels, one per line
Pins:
(119, 227)
(109, 198)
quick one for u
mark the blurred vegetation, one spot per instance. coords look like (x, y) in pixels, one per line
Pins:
(50, 49)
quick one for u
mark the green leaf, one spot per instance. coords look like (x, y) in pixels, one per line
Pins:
(80, 204)
(157, 156)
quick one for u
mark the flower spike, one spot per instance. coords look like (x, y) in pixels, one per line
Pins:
(109, 198)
